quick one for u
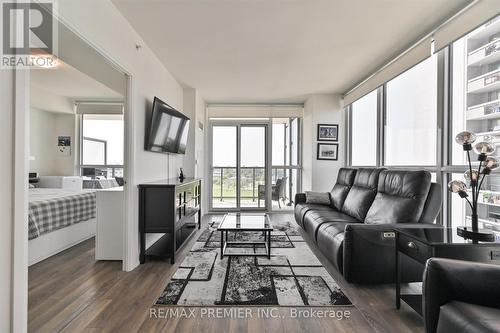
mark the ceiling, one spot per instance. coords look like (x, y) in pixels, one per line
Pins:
(279, 50)
(56, 89)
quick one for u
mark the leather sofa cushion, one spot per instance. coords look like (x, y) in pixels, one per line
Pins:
(459, 317)
(302, 208)
(330, 240)
(315, 218)
(321, 198)
(401, 197)
(339, 192)
(362, 193)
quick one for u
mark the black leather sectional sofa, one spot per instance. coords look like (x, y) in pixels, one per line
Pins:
(355, 232)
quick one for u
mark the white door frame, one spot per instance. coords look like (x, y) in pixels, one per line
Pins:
(19, 279)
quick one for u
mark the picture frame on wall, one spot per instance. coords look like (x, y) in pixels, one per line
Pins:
(328, 151)
(328, 132)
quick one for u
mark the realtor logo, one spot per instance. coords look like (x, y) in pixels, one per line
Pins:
(28, 34)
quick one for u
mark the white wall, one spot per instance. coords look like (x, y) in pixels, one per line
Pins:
(194, 166)
(99, 22)
(65, 125)
(320, 175)
(45, 127)
(44, 99)
(189, 109)
(200, 171)
(102, 24)
(200, 135)
(6, 196)
(194, 108)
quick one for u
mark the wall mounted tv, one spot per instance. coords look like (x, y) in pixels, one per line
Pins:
(168, 129)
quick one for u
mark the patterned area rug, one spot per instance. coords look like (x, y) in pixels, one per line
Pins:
(292, 277)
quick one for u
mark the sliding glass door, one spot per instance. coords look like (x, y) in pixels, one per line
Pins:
(224, 167)
(252, 174)
(238, 166)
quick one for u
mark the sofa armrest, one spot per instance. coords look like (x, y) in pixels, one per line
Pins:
(446, 280)
(300, 198)
(369, 255)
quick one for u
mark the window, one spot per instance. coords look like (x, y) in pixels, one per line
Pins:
(475, 107)
(252, 165)
(488, 204)
(476, 87)
(285, 161)
(469, 87)
(364, 131)
(102, 145)
(411, 115)
(224, 160)
(243, 175)
(279, 142)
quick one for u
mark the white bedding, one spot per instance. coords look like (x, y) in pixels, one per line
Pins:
(42, 194)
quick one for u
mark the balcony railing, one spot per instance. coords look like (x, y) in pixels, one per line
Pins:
(224, 182)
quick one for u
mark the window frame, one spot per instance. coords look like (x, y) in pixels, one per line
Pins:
(218, 121)
(441, 133)
(444, 168)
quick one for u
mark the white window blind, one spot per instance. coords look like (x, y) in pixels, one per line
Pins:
(98, 108)
(405, 61)
(470, 18)
(254, 111)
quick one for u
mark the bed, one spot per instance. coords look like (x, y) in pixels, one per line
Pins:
(59, 219)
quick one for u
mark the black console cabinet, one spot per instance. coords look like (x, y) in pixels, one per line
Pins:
(172, 208)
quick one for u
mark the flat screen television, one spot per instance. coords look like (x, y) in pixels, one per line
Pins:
(168, 129)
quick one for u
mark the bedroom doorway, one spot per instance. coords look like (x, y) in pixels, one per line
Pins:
(76, 151)
(56, 120)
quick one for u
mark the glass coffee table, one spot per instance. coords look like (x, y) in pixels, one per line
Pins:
(235, 223)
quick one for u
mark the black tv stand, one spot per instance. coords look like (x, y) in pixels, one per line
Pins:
(170, 207)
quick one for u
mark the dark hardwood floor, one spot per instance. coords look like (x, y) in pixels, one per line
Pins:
(71, 292)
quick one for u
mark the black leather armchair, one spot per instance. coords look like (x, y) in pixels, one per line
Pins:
(461, 296)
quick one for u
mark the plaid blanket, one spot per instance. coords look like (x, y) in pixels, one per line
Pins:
(56, 213)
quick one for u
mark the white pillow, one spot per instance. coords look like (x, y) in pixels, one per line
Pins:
(321, 198)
